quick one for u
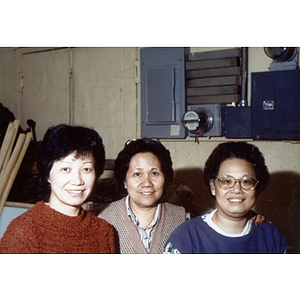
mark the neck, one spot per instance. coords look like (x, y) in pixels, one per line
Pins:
(145, 215)
(64, 209)
(229, 225)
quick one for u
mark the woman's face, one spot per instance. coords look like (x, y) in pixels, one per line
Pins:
(144, 180)
(235, 202)
(72, 180)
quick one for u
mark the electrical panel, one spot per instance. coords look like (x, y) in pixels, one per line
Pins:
(162, 92)
(205, 94)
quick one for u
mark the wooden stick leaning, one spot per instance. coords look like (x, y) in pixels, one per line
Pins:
(11, 178)
(6, 172)
(16, 124)
(6, 143)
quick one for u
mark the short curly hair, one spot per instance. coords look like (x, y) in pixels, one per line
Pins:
(143, 146)
(60, 141)
(241, 150)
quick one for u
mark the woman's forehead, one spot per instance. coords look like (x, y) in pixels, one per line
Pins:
(144, 159)
(78, 156)
(236, 165)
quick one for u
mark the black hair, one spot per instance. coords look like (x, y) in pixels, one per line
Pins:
(241, 150)
(60, 141)
(143, 146)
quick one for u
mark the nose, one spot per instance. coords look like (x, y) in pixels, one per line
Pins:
(237, 188)
(147, 181)
(77, 178)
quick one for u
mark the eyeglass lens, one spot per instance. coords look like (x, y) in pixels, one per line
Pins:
(228, 182)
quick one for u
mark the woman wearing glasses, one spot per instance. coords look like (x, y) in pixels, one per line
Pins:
(235, 173)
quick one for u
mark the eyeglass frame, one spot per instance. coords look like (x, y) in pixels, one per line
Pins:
(134, 140)
(237, 180)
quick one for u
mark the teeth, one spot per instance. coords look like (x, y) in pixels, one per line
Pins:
(235, 200)
(75, 192)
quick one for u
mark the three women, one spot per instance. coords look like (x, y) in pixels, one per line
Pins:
(71, 158)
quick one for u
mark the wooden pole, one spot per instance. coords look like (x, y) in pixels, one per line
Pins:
(16, 124)
(6, 143)
(6, 172)
(21, 153)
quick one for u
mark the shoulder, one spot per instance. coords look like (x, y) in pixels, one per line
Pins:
(108, 208)
(197, 221)
(19, 235)
(190, 227)
(113, 212)
(185, 237)
(268, 229)
(174, 208)
(98, 222)
(269, 238)
(176, 214)
(28, 216)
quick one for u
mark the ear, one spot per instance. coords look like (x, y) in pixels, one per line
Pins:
(125, 185)
(212, 187)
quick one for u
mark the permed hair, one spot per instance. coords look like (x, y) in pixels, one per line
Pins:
(60, 141)
(142, 146)
(241, 150)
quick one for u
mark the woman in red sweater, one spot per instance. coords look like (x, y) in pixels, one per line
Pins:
(69, 160)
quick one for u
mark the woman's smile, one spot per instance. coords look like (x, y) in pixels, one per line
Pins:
(75, 193)
(144, 180)
(147, 193)
(72, 181)
(234, 202)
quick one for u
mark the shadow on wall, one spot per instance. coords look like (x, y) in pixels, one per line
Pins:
(193, 179)
(280, 204)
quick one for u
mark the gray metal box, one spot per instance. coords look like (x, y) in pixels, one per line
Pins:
(162, 92)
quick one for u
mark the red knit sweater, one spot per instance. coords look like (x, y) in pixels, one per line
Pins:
(42, 229)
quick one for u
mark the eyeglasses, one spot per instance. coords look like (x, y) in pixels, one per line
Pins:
(227, 182)
(129, 141)
(133, 140)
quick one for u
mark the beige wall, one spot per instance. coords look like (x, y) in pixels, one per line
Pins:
(95, 87)
(100, 87)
